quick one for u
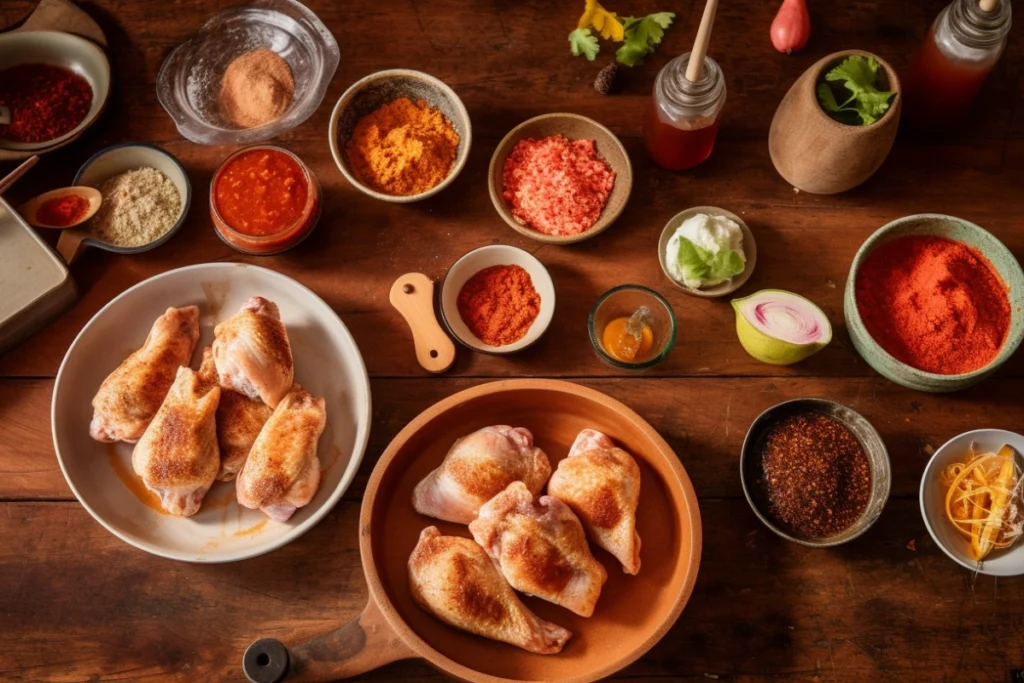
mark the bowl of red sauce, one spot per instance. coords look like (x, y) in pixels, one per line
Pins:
(264, 200)
(935, 303)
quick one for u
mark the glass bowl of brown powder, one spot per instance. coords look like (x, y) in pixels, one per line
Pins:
(249, 74)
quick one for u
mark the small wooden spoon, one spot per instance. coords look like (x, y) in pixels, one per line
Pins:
(30, 209)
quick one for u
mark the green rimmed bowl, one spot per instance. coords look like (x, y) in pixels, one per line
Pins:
(953, 228)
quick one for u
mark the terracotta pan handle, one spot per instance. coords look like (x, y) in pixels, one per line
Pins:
(363, 644)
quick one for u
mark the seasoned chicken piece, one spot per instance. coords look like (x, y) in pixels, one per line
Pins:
(541, 548)
(252, 352)
(477, 468)
(455, 580)
(282, 472)
(601, 483)
(177, 456)
(239, 421)
(130, 396)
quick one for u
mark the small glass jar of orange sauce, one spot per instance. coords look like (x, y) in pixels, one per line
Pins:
(264, 200)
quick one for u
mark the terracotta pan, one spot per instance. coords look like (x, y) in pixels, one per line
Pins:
(634, 612)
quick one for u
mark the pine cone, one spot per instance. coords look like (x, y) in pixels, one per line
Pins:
(606, 79)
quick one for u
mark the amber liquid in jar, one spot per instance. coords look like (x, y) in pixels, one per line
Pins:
(678, 149)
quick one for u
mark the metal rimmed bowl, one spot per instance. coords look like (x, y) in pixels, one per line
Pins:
(1007, 562)
(108, 163)
(751, 470)
(721, 289)
(623, 301)
(374, 91)
(76, 54)
(959, 230)
(573, 127)
(485, 257)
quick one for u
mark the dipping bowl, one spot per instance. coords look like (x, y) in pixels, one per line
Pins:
(624, 300)
(721, 289)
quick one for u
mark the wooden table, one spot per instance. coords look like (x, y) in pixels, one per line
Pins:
(78, 604)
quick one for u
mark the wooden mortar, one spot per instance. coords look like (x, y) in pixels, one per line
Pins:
(817, 154)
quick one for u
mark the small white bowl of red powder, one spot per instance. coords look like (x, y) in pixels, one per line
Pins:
(560, 178)
(935, 303)
(497, 299)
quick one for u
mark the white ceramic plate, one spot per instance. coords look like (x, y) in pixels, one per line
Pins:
(1008, 562)
(485, 257)
(327, 363)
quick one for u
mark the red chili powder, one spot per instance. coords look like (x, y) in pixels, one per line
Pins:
(557, 186)
(934, 304)
(62, 211)
(46, 101)
(499, 304)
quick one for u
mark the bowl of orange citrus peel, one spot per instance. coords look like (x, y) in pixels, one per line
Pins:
(971, 500)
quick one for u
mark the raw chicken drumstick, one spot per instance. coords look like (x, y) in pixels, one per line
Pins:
(282, 472)
(177, 456)
(239, 421)
(130, 396)
(601, 483)
(541, 548)
(478, 467)
(252, 352)
(453, 579)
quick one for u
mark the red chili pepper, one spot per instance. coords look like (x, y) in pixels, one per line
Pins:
(62, 211)
(46, 101)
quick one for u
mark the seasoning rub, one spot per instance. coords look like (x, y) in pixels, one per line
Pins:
(139, 207)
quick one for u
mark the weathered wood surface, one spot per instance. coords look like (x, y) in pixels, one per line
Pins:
(78, 604)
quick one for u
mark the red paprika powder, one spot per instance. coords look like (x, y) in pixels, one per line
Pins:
(499, 304)
(62, 211)
(933, 303)
(46, 102)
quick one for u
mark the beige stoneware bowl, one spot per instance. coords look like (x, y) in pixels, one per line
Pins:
(573, 127)
(327, 363)
(730, 285)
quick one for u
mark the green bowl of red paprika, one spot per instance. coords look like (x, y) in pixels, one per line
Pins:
(935, 303)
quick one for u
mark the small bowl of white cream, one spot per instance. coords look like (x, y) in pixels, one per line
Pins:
(707, 251)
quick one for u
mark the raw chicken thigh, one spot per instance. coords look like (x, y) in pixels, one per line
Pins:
(601, 483)
(455, 580)
(477, 468)
(177, 455)
(282, 472)
(239, 421)
(131, 395)
(541, 548)
(252, 352)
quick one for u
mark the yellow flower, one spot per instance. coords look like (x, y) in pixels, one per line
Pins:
(603, 21)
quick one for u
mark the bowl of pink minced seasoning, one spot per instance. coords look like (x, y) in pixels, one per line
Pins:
(560, 178)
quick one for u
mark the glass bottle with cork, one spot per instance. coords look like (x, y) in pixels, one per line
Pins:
(959, 52)
(686, 107)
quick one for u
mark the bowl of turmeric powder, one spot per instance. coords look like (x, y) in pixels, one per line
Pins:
(400, 135)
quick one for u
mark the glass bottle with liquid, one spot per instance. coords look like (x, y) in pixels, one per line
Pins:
(682, 122)
(960, 50)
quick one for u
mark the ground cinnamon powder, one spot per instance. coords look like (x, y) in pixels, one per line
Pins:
(257, 88)
(403, 148)
(499, 304)
(933, 303)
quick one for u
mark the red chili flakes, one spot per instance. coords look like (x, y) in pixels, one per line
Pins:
(557, 186)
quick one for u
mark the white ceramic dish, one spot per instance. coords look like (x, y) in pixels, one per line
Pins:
(327, 363)
(485, 257)
(372, 92)
(60, 49)
(730, 285)
(1008, 562)
(129, 156)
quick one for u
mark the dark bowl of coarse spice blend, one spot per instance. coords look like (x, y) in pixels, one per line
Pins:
(815, 472)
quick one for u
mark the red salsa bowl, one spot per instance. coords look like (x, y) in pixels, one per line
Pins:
(264, 200)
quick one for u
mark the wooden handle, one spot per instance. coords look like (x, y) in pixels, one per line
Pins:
(413, 296)
(988, 5)
(363, 644)
(69, 246)
(13, 176)
(700, 44)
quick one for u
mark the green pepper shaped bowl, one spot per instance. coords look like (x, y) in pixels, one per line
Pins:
(950, 227)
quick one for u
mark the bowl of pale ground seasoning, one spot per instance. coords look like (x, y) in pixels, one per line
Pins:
(400, 135)
(249, 74)
(560, 178)
(146, 195)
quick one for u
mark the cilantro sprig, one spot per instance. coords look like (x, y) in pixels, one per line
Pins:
(856, 77)
(638, 35)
